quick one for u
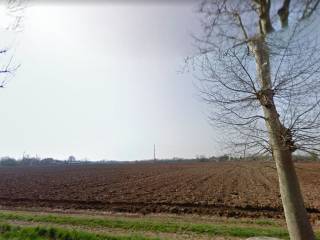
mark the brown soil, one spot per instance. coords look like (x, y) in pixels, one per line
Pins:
(232, 189)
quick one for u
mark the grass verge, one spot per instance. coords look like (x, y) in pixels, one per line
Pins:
(148, 225)
(48, 233)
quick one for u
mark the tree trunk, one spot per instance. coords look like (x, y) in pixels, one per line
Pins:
(282, 147)
(298, 224)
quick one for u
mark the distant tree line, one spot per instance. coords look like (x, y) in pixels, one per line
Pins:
(226, 157)
(27, 160)
(36, 161)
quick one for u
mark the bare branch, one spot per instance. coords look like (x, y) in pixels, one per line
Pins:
(283, 13)
(310, 7)
(264, 16)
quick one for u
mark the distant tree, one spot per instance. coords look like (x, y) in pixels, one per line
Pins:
(48, 161)
(260, 65)
(8, 161)
(29, 161)
(71, 159)
(201, 158)
(223, 158)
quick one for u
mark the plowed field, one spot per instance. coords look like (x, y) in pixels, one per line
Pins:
(227, 189)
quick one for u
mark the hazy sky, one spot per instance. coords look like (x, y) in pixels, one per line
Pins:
(103, 81)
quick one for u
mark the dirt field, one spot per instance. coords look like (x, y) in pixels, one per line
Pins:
(246, 189)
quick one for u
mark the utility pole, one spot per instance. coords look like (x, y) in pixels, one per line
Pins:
(154, 152)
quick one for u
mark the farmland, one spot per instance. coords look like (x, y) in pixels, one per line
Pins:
(231, 189)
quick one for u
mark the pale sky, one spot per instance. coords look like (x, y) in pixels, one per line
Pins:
(103, 81)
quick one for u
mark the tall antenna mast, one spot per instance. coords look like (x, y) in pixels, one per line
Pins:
(154, 152)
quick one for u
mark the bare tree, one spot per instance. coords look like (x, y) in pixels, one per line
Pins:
(260, 68)
(15, 11)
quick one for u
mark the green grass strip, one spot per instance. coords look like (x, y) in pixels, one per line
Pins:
(262, 222)
(143, 225)
(48, 233)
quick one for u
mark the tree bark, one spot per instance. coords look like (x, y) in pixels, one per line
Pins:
(283, 13)
(282, 147)
(298, 224)
(265, 24)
